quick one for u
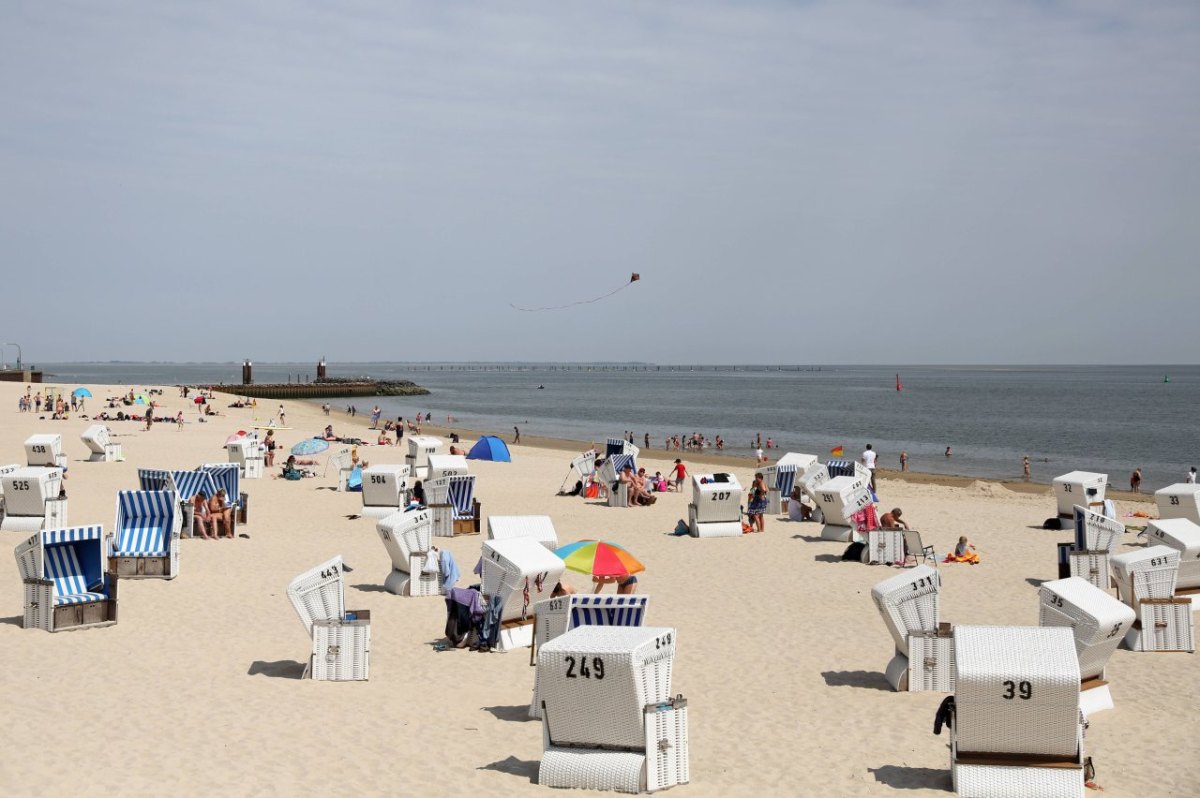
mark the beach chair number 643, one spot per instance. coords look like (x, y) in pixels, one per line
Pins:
(721, 496)
(329, 573)
(597, 669)
(1022, 690)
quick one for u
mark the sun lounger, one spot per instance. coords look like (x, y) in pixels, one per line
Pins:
(454, 506)
(31, 499)
(385, 489)
(1183, 535)
(146, 535)
(1146, 581)
(557, 616)
(1084, 488)
(1016, 728)
(916, 550)
(908, 603)
(716, 507)
(66, 582)
(522, 572)
(45, 450)
(1181, 500)
(609, 721)
(1099, 623)
(101, 448)
(419, 449)
(537, 527)
(341, 640)
(408, 538)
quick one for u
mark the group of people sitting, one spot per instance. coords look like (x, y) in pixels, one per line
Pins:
(211, 516)
(642, 488)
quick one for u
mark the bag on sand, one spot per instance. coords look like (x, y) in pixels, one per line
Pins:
(593, 490)
(853, 552)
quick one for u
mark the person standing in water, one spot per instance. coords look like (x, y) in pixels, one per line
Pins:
(903, 461)
(516, 434)
(1025, 465)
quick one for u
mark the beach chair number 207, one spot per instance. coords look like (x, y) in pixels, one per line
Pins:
(597, 669)
(720, 496)
(1022, 690)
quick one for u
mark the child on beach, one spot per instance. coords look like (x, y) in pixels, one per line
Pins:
(680, 471)
(963, 552)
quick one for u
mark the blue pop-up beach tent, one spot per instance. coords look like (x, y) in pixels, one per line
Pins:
(489, 447)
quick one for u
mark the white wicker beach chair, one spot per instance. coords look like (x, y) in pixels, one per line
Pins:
(1183, 535)
(781, 477)
(385, 489)
(716, 507)
(615, 446)
(557, 616)
(1181, 500)
(446, 465)
(522, 572)
(343, 467)
(4, 471)
(31, 499)
(608, 719)
(1099, 623)
(1163, 625)
(66, 582)
(885, 546)
(341, 640)
(146, 535)
(408, 538)
(537, 527)
(610, 472)
(1096, 532)
(908, 603)
(100, 446)
(419, 449)
(1016, 728)
(838, 499)
(45, 450)
(452, 502)
(1149, 573)
(585, 464)
(1078, 487)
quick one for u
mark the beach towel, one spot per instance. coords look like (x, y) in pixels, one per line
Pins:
(449, 568)
(865, 519)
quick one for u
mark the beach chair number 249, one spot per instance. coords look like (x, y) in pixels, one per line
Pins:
(596, 670)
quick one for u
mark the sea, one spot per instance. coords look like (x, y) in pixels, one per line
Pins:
(1109, 419)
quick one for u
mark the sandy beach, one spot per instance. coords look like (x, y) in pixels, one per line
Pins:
(780, 654)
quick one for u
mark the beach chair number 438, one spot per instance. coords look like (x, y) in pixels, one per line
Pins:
(595, 671)
(1022, 690)
(39, 449)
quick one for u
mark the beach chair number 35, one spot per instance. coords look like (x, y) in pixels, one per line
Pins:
(595, 671)
(1022, 690)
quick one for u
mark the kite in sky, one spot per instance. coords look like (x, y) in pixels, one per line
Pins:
(633, 278)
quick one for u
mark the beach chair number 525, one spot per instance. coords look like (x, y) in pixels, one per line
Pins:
(721, 496)
(1022, 690)
(596, 671)
(21, 484)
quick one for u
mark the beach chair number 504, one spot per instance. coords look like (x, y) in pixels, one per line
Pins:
(597, 669)
(378, 479)
(1022, 690)
(720, 496)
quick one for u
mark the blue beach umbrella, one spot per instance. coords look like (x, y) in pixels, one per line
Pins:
(81, 392)
(309, 446)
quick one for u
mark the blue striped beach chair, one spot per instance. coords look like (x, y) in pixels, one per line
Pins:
(155, 479)
(187, 485)
(146, 535)
(228, 476)
(66, 583)
(840, 468)
(618, 494)
(785, 480)
(557, 616)
(457, 513)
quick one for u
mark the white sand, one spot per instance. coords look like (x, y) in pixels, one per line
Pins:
(781, 651)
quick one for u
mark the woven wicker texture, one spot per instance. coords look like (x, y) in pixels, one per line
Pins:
(1073, 488)
(667, 746)
(1096, 619)
(26, 490)
(842, 497)
(538, 527)
(1000, 781)
(405, 534)
(385, 485)
(1182, 535)
(341, 652)
(1095, 532)
(1016, 690)
(930, 662)
(1092, 566)
(885, 546)
(596, 680)
(592, 769)
(43, 450)
(318, 594)
(522, 572)
(1166, 627)
(1181, 500)
(908, 602)
(1150, 573)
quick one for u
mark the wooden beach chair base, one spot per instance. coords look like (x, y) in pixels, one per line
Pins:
(141, 567)
(40, 612)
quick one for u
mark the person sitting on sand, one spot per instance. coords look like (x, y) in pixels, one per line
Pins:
(329, 436)
(221, 513)
(384, 440)
(797, 509)
(891, 520)
(626, 585)
(202, 518)
(963, 552)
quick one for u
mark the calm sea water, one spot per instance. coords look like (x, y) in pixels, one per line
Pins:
(1107, 419)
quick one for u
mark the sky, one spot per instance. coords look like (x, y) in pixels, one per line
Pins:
(810, 182)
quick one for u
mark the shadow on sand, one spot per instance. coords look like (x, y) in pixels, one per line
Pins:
(279, 669)
(870, 680)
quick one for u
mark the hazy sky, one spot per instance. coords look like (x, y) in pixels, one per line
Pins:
(796, 182)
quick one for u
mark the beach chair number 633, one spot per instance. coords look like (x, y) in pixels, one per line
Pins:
(720, 496)
(596, 671)
(1022, 690)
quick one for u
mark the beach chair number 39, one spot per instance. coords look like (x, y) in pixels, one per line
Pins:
(1022, 690)
(595, 671)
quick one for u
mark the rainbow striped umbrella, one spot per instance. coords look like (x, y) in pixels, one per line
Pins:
(599, 559)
